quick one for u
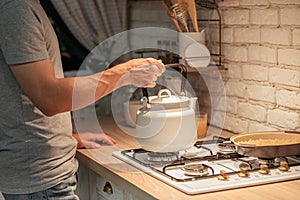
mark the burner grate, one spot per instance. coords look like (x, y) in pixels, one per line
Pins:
(162, 157)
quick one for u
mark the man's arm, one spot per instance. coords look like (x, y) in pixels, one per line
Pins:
(56, 95)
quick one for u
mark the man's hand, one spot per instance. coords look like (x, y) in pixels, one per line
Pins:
(142, 72)
(92, 140)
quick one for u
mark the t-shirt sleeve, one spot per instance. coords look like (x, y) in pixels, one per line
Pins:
(22, 40)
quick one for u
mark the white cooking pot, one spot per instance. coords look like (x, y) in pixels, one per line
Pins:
(166, 124)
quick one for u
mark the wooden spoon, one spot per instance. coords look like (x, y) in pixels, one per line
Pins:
(185, 15)
(172, 18)
(191, 8)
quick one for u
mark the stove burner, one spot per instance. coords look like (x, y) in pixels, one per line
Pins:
(195, 169)
(226, 147)
(162, 156)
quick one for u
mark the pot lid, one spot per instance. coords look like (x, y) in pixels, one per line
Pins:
(165, 98)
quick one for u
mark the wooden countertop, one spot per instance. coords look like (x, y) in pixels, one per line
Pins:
(145, 186)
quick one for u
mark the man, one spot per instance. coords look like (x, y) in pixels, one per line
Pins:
(36, 144)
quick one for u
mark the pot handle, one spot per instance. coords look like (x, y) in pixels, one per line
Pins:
(295, 132)
(144, 109)
(168, 92)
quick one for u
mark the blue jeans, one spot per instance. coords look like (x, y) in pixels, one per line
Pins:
(63, 191)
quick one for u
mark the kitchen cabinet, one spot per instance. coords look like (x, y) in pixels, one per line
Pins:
(92, 186)
(82, 189)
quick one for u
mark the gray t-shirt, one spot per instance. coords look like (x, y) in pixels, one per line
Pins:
(36, 151)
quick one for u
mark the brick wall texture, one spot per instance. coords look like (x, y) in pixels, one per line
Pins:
(261, 48)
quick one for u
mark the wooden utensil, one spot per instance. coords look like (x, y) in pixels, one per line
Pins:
(191, 8)
(170, 13)
(185, 15)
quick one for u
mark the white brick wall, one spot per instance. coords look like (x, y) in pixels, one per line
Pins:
(290, 16)
(235, 53)
(232, 105)
(262, 54)
(264, 16)
(235, 124)
(254, 2)
(257, 127)
(296, 37)
(282, 76)
(217, 119)
(276, 36)
(253, 112)
(234, 71)
(284, 118)
(263, 86)
(289, 56)
(229, 3)
(289, 99)
(284, 2)
(248, 35)
(254, 72)
(236, 16)
(261, 93)
(227, 35)
(235, 88)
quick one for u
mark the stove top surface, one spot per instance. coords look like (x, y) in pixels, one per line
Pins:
(211, 166)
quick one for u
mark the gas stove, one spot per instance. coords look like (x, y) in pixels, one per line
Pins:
(211, 165)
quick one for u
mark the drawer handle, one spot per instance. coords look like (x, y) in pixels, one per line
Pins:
(108, 188)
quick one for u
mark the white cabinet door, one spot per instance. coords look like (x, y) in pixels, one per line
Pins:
(82, 189)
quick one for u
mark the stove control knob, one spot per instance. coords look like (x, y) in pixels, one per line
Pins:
(223, 176)
(284, 166)
(264, 169)
(244, 172)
